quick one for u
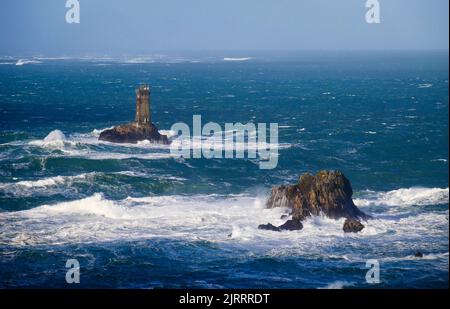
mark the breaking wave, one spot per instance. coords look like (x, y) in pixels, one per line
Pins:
(55, 139)
(405, 197)
(22, 62)
(215, 218)
(237, 59)
(87, 145)
(431, 256)
(338, 285)
(71, 183)
(45, 182)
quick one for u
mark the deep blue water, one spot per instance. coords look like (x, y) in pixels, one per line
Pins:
(136, 217)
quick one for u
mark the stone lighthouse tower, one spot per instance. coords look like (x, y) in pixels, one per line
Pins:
(141, 128)
(142, 105)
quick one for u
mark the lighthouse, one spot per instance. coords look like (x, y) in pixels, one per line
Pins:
(141, 128)
(142, 105)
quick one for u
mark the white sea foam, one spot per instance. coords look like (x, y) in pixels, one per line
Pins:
(157, 58)
(140, 60)
(215, 218)
(229, 141)
(168, 133)
(146, 175)
(96, 132)
(45, 182)
(21, 62)
(60, 184)
(82, 145)
(405, 197)
(54, 139)
(111, 155)
(439, 160)
(45, 186)
(86, 145)
(425, 86)
(431, 256)
(91, 138)
(98, 219)
(237, 59)
(339, 285)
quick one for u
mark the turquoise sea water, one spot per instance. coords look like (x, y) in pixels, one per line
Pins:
(134, 216)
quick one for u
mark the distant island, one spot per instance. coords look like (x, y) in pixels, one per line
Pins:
(142, 128)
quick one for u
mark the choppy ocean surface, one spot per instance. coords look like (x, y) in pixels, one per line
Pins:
(136, 217)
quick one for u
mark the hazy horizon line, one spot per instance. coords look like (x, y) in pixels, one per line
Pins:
(155, 52)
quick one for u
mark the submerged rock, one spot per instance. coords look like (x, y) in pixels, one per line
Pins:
(352, 226)
(291, 225)
(418, 254)
(328, 193)
(269, 227)
(133, 133)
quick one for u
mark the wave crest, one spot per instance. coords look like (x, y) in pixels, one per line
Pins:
(405, 197)
(55, 139)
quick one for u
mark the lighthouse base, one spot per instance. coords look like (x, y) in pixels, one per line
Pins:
(133, 133)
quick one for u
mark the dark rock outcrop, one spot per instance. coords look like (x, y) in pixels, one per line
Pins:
(269, 227)
(418, 254)
(132, 133)
(327, 192)
(352, 226)
(291, 225)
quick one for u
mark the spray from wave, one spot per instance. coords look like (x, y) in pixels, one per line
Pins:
(236, 59)
(215, 218)
(87, 145)
(54, 140)
(22, 62)
(405, 197)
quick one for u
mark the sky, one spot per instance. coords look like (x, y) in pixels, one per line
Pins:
(141, 26)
